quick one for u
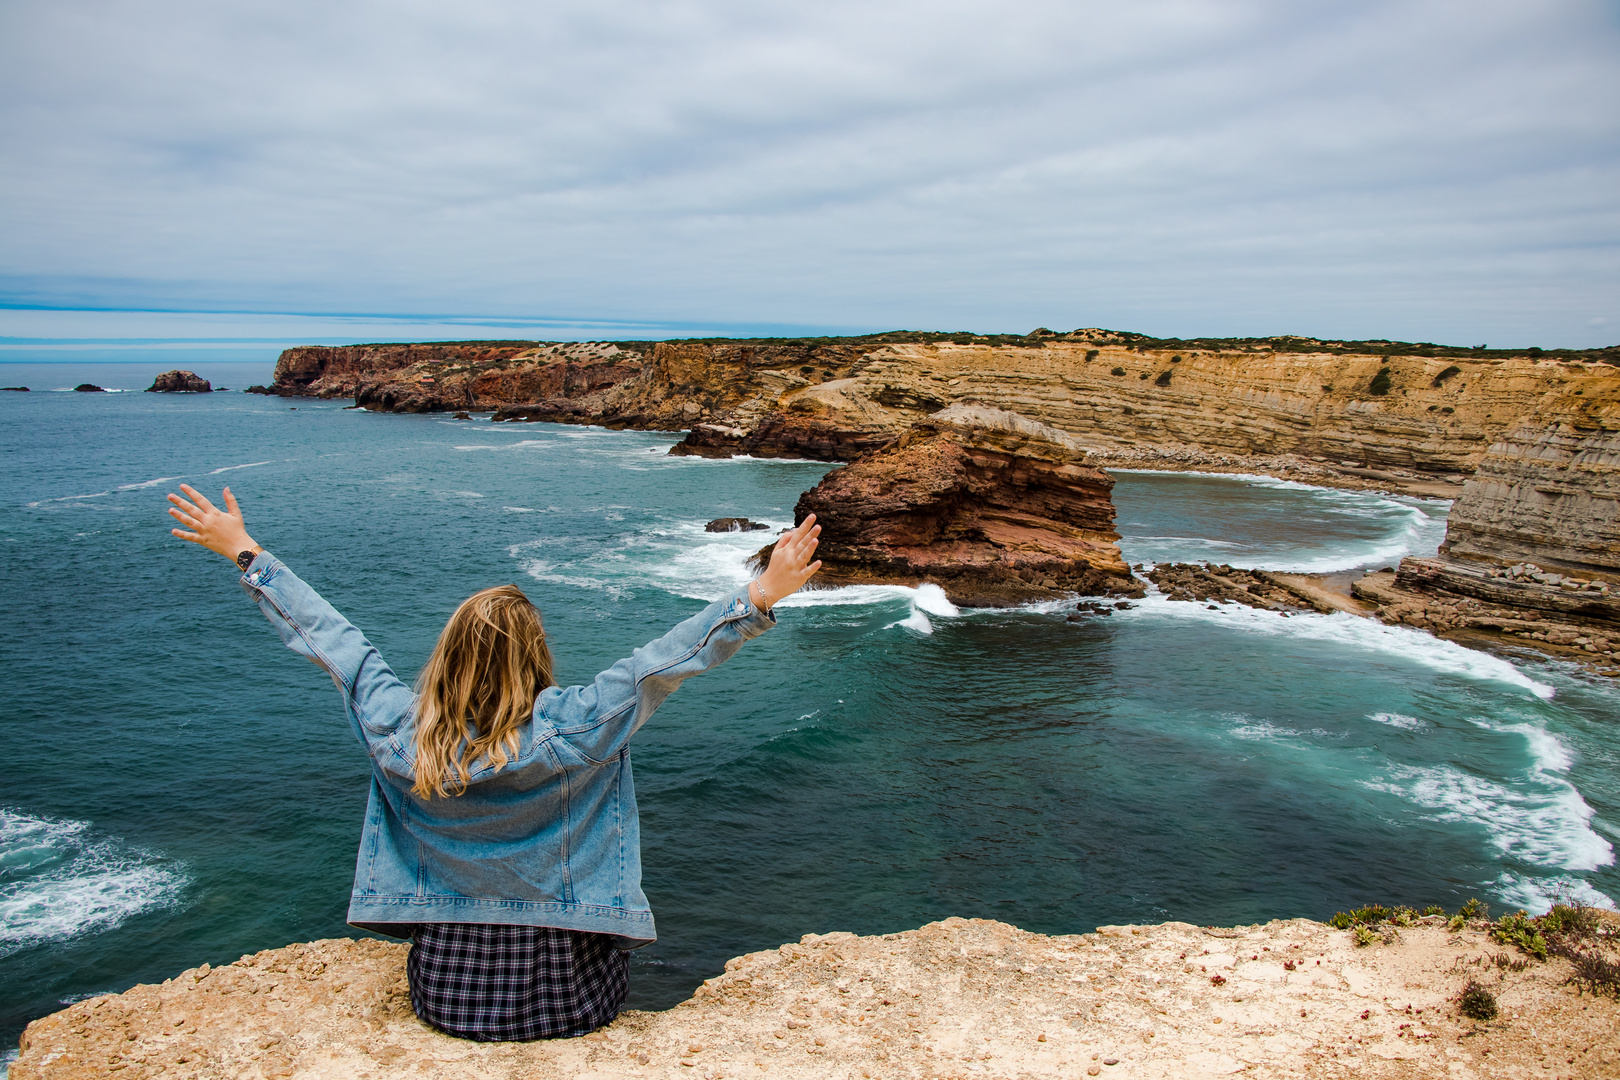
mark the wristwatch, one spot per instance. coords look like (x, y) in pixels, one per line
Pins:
(244, 559)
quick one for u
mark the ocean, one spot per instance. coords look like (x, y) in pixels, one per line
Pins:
(180, 788)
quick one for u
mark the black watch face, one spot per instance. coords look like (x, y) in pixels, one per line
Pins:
(245, 560)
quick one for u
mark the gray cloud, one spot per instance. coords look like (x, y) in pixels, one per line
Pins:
(1429, 169)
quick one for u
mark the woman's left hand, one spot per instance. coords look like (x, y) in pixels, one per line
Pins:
(215, 529)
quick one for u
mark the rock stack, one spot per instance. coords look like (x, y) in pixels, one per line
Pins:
(179, 382)
(994, 508)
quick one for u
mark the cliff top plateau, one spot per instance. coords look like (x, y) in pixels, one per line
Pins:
(963, 999)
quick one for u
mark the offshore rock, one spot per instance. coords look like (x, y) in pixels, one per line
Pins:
(179, 382)
(959, 998)
(994, 508)
(90, 388)
(734, 524)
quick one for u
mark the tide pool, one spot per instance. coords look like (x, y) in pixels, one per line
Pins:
(180, 788)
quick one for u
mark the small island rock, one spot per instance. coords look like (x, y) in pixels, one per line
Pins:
(24, 389)
(180, 382)
(90, 388)
(720, 525)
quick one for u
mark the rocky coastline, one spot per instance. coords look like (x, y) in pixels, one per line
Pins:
(1525, 441)
(961, 999)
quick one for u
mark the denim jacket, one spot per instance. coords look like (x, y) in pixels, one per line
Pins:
(550, 839)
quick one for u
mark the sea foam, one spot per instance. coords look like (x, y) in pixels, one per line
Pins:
(57, 881)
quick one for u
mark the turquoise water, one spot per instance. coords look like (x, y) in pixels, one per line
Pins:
(180, 789)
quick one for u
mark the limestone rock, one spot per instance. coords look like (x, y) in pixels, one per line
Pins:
(995, 508)
(959, 998)
(1548, 491)
(179, 382)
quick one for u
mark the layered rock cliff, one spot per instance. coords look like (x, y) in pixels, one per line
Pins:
(1336, 409)
(1548, 490)
(994, 508)
(960, 999)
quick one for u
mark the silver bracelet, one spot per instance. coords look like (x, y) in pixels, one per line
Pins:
(752, 585)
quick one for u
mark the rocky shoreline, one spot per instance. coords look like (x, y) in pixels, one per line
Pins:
(962, 999)
(1526, 443)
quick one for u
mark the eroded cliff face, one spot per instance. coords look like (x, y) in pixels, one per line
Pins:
(1333, 410)
(1548, 491)
(994, 508)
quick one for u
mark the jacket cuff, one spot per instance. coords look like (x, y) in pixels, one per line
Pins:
(751, 620)
(260, 570)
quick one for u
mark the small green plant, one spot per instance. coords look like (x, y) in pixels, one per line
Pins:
(1453, 370)
(1456, 923)
(1380, 383)
(1371, 915)
(1176, 359)
(1519, 929)
(1403, 916)
(1117, 371)
(1573, 920)
(1434, 909)
(1476, 1002)
(1364, 936)
(1474, 909)
(1091, 354)
(1163, 379)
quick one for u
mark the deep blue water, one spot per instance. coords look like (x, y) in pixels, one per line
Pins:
(179, 788)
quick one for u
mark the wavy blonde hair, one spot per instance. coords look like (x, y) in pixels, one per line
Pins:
(489, 665)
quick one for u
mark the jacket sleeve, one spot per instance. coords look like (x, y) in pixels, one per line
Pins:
(373, 696)
(598, 719)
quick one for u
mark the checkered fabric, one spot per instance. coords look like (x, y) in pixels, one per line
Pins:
(502, 983)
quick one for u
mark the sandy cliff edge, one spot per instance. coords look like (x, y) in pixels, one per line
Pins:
(962, 998)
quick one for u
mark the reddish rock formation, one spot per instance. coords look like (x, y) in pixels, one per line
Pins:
(180, 382)
(993, 507)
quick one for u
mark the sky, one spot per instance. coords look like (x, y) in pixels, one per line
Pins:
(231, 175)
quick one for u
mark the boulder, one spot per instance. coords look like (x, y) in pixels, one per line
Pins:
(90, 388)
(179, 382)
(731, 525)
(993, 507)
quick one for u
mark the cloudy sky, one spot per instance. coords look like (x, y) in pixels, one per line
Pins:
(1444, 170)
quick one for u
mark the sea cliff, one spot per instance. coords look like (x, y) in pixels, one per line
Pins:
(961, 999)
(1354, 414)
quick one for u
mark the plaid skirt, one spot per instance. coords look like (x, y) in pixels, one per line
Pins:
(503, 983)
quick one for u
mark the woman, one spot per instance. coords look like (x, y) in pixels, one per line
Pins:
(501, 833)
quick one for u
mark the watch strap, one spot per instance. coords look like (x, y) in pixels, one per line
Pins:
(244, 559)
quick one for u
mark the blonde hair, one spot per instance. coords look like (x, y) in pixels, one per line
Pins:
(489, 665)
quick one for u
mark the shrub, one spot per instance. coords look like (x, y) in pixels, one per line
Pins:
(1380, 383)
(1474, 909)
(1576, 921)
(1440, 379)
(1371, 915)
(1091, 354)
(1364, 936)
(1518, 929)
(1144, 375)
(1476, 1002)
(1176, 359)
(1163, 379)
(1434, 909)
(1117, 371)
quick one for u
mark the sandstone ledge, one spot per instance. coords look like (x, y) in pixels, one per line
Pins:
(962, 998)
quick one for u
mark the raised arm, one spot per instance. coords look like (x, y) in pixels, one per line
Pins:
(374, 697)
(599, 719)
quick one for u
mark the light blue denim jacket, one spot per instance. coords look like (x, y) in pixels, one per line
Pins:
(551, 839)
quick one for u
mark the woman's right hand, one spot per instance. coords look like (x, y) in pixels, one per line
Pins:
(790, 565)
